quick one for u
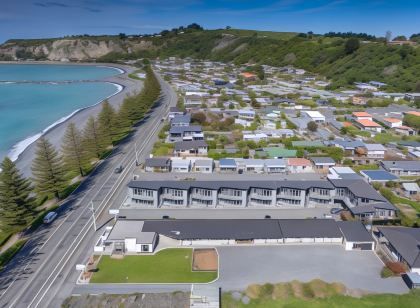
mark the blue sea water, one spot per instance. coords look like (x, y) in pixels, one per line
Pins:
(26, 109)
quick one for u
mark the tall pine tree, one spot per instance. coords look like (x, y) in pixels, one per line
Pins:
(107, 121)
(93, 140)
(75, 157)
(48, 170)
(17, 207)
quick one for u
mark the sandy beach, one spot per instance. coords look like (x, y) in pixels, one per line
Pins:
(55, 134)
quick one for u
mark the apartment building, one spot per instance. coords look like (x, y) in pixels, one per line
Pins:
(356, 195)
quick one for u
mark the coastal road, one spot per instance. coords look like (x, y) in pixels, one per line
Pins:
(43, 273)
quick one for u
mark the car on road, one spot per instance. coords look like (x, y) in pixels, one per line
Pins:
(267, 216)
(335, 210)
(119, 169)
(49, 217)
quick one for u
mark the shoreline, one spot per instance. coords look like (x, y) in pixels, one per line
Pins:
(19, 147)
(23, 151)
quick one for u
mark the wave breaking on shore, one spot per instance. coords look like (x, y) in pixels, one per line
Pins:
(21, 146)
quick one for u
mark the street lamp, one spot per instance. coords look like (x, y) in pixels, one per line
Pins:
(135, 150)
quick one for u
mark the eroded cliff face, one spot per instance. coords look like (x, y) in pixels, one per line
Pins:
(72, 49)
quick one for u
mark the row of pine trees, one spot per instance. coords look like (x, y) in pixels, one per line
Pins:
(53, 169)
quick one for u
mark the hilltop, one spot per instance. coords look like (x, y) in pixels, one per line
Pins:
(364, 58)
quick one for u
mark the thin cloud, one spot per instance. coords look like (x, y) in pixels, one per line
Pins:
(52, 4)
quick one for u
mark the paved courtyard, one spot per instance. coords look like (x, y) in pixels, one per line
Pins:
(242, 266)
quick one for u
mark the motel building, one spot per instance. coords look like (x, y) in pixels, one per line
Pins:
(139, 237)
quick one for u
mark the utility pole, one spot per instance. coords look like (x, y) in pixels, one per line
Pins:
(93, 215)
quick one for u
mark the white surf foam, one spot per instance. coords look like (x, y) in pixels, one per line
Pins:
(21, 146)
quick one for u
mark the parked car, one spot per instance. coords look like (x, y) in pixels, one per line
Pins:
(335, 210)
(50, 217)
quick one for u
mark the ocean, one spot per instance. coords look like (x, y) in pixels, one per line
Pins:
(45, 99)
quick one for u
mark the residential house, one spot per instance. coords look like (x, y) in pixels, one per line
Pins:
(411, 190)
(227, 165)
(203, 165)
(249, 76)
(403, 167)
(359, 100)
(369, 125)
(275, 165)
(192, 101)
(195, 147)
(361, 115)
(181, 120)
(402, 244)
(246, 114)
(299, 165)
(255, 137)
(250, 165)
(314, 116)
(349, 146)
(157, 164)
(392, 122)
(180, 133)
(412, 97)
(181, 165)
(174, 111)
(405, 130)
(378, 176)
(322, 164)
(372, 150)
(342, 173)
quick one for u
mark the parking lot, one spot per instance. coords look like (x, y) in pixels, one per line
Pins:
(242, 266)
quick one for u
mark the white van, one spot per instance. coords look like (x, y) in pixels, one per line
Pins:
(50, 217)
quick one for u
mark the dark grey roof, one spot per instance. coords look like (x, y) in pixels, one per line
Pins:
(307, 228)
(406, 241)
(322, 160)
(240, 229)
(409, 165)
(370, 208)
(184, 118)
(174, 109)
(157, 162)
(187, 145)
(243, 185)
(359, 188)
(354, 231)
(183, 129)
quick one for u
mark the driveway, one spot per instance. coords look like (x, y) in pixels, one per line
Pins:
(242, 266)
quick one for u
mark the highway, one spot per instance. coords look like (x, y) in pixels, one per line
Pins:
(43, 273)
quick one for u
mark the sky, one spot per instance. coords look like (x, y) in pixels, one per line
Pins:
(56, 18)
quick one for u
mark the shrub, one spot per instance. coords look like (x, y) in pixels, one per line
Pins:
(386, 272)
(397, 267)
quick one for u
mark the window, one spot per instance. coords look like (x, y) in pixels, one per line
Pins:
(145, 248)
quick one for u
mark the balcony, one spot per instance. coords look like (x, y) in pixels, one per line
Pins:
(290, 196)
(260, 196)
(171, 196)
(229, 197)
(200, 196)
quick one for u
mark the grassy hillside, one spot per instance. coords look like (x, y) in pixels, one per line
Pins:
(398, 66)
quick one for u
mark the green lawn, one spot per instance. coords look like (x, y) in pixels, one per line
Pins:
(166, 266)
(315, 294)
(358, 168)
